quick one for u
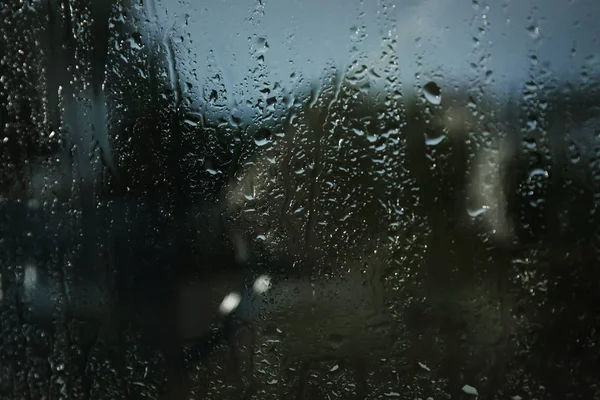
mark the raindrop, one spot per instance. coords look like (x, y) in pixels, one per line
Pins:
(538, 172)
(262, 137)
(534, 31)
(261, 142)
(358, 132)
(476, 212)
(262, 45)
(574, 156)
(425, 367)
(432, 139)
(262, 284)
(470, 390)
(432, 93)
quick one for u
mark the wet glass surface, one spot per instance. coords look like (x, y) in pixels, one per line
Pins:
(310, 200)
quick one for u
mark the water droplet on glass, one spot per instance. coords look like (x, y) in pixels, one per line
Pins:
(262, 45)
(262, 284)
(432, 93)
(261, 142)
(425, 367)
(432, 140)
(358, 132)
(534, 31)
(538, 172)
(476, 212)
(470, 390)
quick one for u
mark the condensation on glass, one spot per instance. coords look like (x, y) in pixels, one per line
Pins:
(322, 200)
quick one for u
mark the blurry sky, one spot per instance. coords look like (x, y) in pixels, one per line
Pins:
(435, 38)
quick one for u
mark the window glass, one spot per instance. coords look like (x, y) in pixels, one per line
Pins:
(315, 199)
